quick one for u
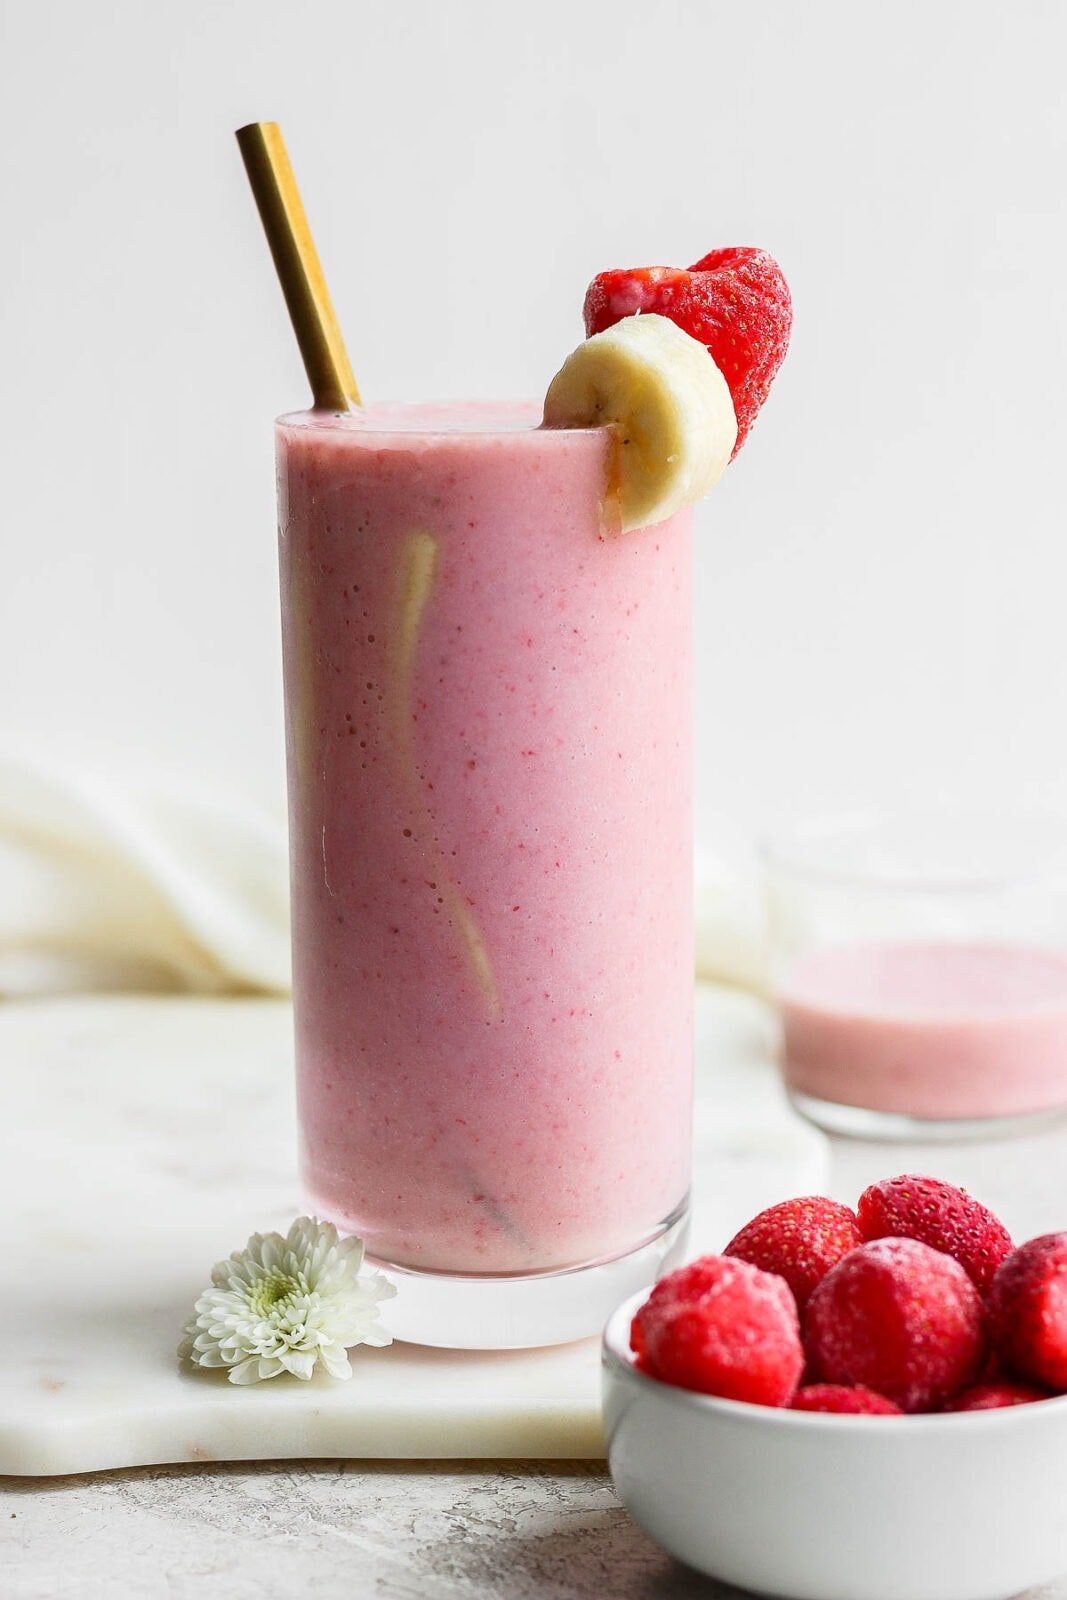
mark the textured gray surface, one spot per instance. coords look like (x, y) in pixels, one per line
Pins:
(514, 1531)
(337, 1531)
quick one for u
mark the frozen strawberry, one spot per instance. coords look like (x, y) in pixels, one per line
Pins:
(855, 1401)
(735, 301)
(724, 1328)
(800, 1240)
(1028, 1311)
(899, 1318)
(992, 1396)
(940, 1215)
(992, 1371)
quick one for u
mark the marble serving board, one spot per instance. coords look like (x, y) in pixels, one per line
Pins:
(143, 1139)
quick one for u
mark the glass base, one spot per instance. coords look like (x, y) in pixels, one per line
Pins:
(859, 1122)
(493, 1311)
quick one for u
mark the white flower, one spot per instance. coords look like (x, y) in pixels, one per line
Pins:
(284, 1305)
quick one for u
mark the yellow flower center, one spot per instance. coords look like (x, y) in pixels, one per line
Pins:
(274, 1287)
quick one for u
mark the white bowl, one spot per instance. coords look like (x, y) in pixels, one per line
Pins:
(804, 1506)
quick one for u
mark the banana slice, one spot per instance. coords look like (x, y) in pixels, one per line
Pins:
(670, 407)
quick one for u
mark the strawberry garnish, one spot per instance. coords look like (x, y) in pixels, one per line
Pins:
(735, 302)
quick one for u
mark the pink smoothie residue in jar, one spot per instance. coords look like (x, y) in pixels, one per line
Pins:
(929, 1030)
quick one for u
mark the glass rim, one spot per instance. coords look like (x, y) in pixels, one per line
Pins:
(486, 420)
(792, 850)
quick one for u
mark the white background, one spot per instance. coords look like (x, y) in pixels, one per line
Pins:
(881, 582)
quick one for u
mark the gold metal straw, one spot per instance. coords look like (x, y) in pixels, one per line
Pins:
(297, 263)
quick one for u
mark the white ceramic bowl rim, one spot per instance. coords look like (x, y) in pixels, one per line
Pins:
(616, 1353)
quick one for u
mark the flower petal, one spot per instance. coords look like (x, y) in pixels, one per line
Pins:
(247, 1372)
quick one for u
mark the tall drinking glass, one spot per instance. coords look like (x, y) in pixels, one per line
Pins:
(488, 735)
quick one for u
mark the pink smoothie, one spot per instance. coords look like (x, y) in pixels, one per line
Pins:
(488, 708)
(931, 1030)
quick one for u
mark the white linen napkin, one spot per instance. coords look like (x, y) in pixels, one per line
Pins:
(731, 929)
(136, 883)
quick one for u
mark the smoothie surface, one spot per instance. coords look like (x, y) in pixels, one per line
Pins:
(468, 417)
